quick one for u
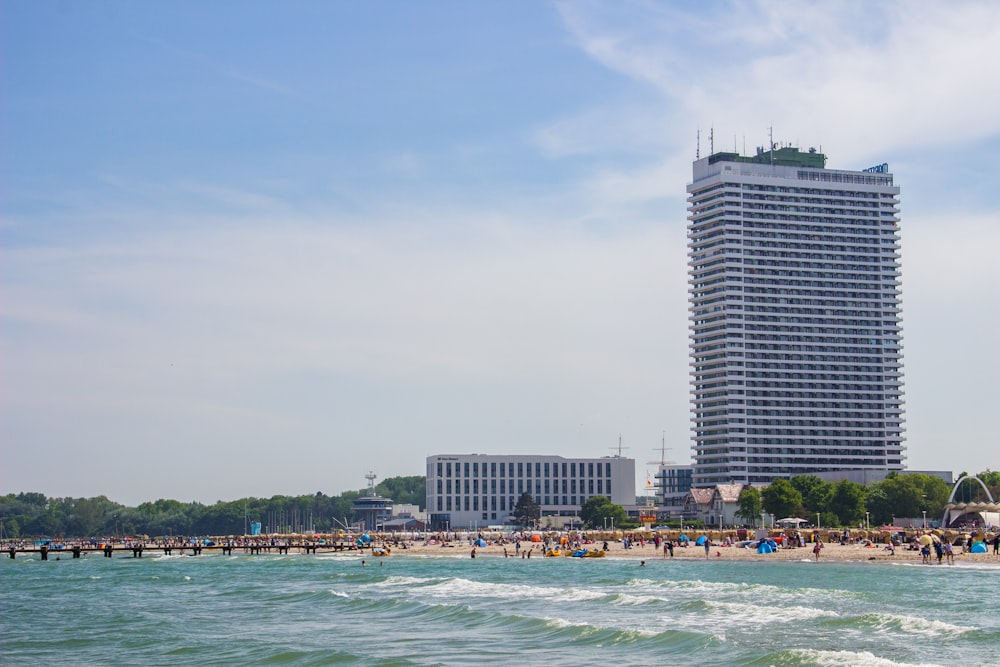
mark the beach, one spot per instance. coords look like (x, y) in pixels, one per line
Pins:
(833, 551)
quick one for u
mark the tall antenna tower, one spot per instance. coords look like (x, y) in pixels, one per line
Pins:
(770, 143)
(371, 479)
(663, 449)
(619, 447)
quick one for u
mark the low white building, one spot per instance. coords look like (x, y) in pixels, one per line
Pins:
(469, 491)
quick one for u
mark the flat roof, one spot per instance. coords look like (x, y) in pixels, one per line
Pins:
(787, 156)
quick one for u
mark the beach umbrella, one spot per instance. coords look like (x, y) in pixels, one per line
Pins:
(925, 540)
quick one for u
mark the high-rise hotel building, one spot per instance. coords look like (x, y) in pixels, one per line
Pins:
(795, 317)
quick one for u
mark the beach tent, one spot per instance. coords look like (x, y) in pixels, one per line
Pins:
(700, 541)
(978, 548)
(481, 543)
(683, 538)
(765, 548)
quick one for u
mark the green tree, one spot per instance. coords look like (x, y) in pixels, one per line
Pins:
(877, 502)
(527, 511)
(847, 502)
(87, 517)
(11, 528)
(815, 492)
(750, 505)
(782, 499)
(907, 496)
(404, 490)
(599, 511)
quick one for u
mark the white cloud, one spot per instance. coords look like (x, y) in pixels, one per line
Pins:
(865, 79)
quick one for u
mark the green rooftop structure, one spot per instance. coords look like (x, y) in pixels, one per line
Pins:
(786, 156)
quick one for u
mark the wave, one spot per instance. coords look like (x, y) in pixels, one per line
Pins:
(467, 588)
(766, 613)
(832, 659)
(713, 589)
(905, 625)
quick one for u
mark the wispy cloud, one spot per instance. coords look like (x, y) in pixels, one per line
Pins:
(864, 78)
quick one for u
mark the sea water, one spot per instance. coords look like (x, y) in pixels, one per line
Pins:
(454, 610)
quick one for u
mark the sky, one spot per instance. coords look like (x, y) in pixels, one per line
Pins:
(257, 248)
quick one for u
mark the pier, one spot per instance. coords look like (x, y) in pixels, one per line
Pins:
(137, 549)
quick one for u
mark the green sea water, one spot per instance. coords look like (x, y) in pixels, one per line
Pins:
(426, 610)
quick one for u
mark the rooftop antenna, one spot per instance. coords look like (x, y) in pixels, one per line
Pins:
(371, 479)
(697, 149)
(619, 447)
(663, 452)
(711, 141)
(770, 139)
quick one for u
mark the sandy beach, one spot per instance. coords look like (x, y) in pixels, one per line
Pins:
(831, 551)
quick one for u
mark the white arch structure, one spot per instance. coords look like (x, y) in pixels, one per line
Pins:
(987, 512)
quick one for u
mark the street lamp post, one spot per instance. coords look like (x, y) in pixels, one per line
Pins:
(867, 526)
(925, 519)
(817, 520)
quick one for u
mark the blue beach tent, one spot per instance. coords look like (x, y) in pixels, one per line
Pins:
(765, 548)
(701, 540)
(481, 543)
(978, 548)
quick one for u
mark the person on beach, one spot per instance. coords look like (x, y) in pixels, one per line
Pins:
(708, 546)
(670, 547)
(996, 544)
(949, 553)
(817, 548)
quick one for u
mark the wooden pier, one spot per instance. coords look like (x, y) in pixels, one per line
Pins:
(167, 549)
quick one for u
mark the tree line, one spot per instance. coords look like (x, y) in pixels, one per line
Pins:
(839, 504)
(35, 515)
(846, 503)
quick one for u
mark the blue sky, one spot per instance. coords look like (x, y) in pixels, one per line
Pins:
(256, 248)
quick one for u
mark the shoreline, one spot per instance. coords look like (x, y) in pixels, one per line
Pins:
(834, 552)
(858, 549)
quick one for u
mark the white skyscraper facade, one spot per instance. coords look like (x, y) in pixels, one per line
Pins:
(794, 306)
